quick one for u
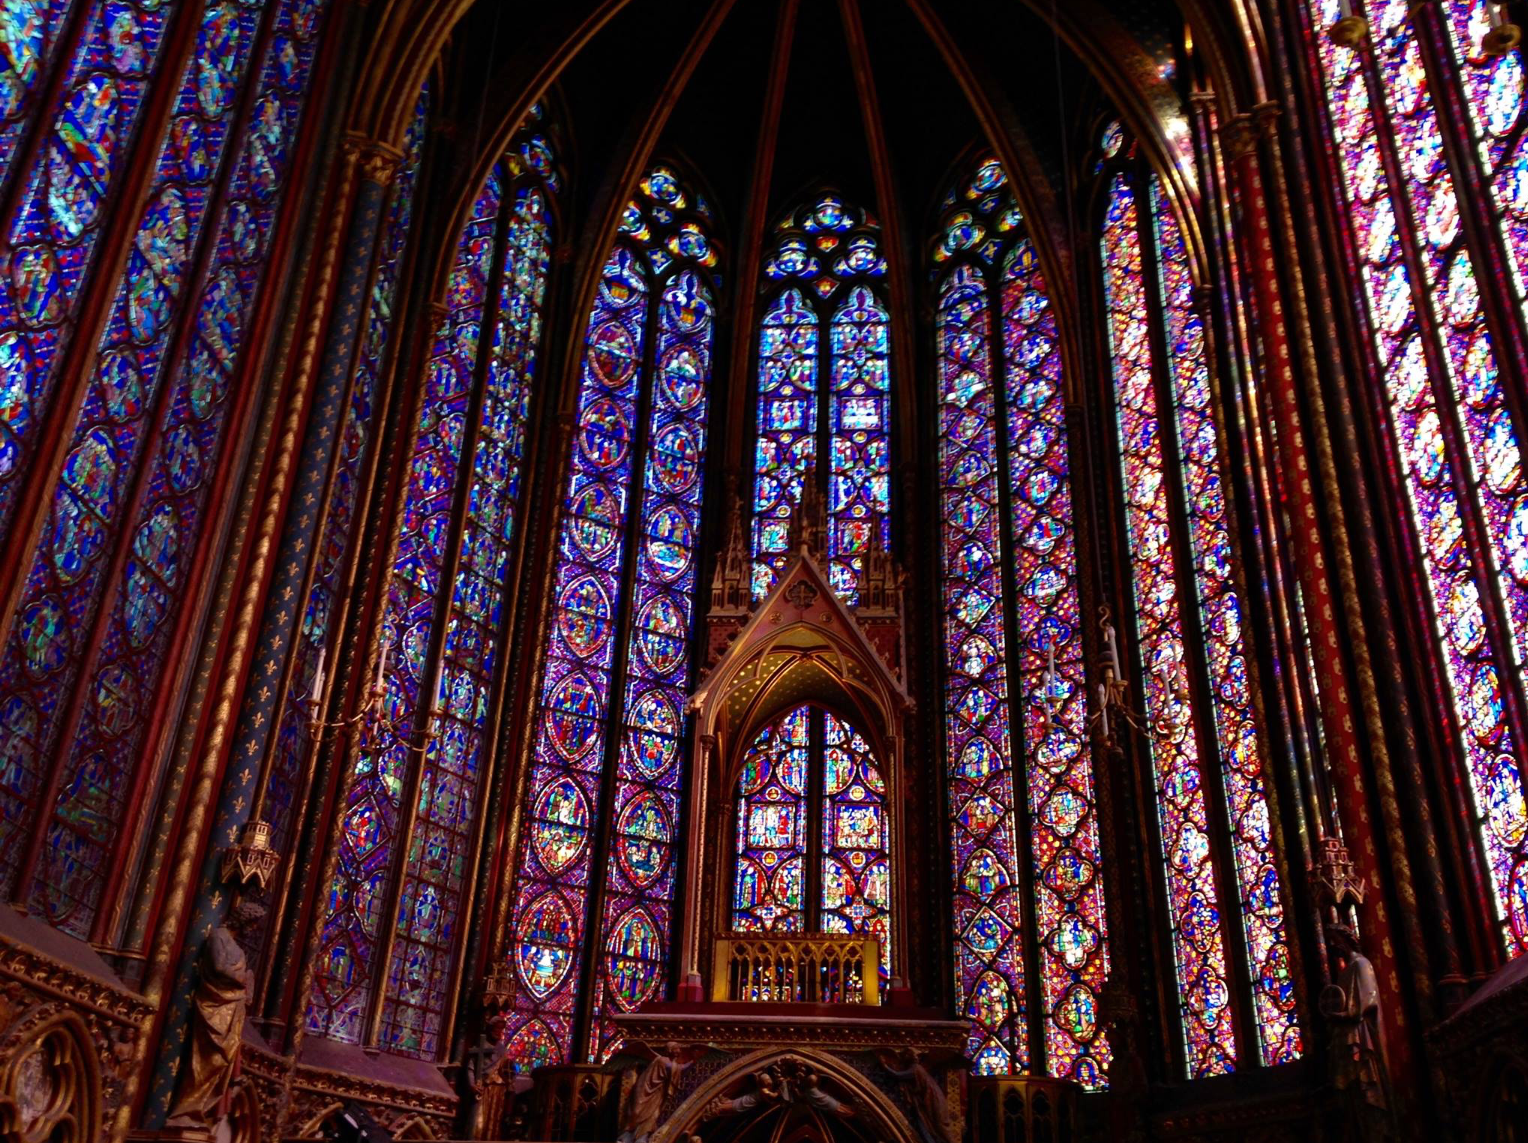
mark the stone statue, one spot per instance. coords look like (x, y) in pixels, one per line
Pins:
(219, 1002)
(766, 1091)
(655, 1083)
(1351, 1006)
(789, 1082)
(931, 1111)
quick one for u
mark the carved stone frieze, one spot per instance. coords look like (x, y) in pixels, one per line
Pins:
(317, 1092)
(39, 992)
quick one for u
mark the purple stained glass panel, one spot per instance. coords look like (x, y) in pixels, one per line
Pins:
(353, 920)
(1199, 954)
(556, 853)
(637, 920)
(989, 913)
(1474, 665)
(1220, 617)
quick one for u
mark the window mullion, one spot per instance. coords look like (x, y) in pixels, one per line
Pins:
(423, 720)
(1200, 679)
(815, 850)
(603, 814)
(1478, 534)
(1034, 1000)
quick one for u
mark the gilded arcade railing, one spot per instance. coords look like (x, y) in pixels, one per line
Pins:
(818, 968)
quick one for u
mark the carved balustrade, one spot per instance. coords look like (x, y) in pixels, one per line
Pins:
(817, 968)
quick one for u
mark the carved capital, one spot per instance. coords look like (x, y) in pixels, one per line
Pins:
(252, 862)
(1238, 135)
(1331, 875)
(1264, 114)
(378, 161)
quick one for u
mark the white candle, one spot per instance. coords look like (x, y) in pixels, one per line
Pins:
(1050, 666)
(1103, 708)
(318, 680)
(1344, 9)
(387, 643)
(1113, 650)
(440, 691)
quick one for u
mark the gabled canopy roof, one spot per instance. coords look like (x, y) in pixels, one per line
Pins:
(801, 644)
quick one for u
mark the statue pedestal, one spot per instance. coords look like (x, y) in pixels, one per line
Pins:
(791, 1065)
(200, 1133)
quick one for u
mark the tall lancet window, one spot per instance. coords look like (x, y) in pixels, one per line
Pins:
(607, 736)
(824, 389)
(813, 848)
(335, 554)
(1024, 826)
(144, 417)
(1429, 281)
(391, 935)
(1192, 661)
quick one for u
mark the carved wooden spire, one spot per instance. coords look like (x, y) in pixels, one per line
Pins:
(730, 583)
(809, 518)
(880, 586)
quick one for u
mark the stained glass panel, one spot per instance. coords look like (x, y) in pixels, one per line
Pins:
(1198, 943)
(856, 840)
(1473, 663)
(859, 419)
(640, 873)
(786, 445)
(658, 289)
(989, 965)
(1495, 96)
(556, 856)
(825, 317)
(30, 35)
(769, 881)
(353, 922)
(436, 864)
(1069, 899)
(1241, 758)
(124, 401)
(52, 236)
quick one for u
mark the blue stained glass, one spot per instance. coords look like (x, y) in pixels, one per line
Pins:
(840, 327)
(337, 1007)
(449, 789)
(58, 217)
(586, 714)
(128, 375)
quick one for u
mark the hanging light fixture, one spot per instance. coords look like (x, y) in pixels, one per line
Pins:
(1503, 35)
(1350, 29)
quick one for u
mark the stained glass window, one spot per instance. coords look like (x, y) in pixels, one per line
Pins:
(445, 644)
(292, 745)
(1203, 740)
(767, 893)
(813, 832)
(1014, 684)
(824, 317)
(1450, 423)
(86, 136)
(147, 440)
(607, 736)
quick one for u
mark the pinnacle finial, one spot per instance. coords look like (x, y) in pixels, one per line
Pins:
(808, 526)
